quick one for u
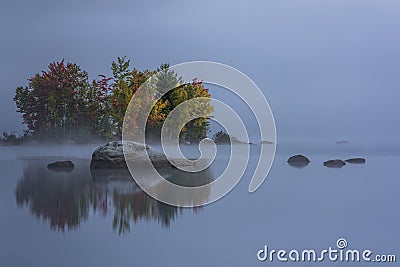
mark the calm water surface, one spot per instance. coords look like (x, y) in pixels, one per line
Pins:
(84, 219)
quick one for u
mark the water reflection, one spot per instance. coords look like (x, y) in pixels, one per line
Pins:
(298, 164)
(66, 200)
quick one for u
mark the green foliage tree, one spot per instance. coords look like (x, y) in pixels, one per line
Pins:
(126, 83)
(221, 137)
(167, 79)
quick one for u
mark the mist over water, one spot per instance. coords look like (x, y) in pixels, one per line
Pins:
(50, 152)
(80, 211)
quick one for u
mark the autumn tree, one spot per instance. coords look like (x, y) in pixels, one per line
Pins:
(59, 103)
(105, 126)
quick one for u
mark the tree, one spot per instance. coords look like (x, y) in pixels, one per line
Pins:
(193, 130)
(51, 104)
(126, 83)
(104, 127)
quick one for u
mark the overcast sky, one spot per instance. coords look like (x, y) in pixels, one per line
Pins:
(329, 69)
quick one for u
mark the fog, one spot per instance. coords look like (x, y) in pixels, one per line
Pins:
(329, 69)
(49, 152)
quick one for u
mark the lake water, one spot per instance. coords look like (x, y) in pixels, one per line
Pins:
(79, 219)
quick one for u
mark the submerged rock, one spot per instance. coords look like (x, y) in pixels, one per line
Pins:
(265, 142)
(298, 161)
(334, 163)
(65, 165)
(356, 160)
(111, 155)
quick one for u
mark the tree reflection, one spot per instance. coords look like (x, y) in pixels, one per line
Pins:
(65, 200)
(140, 206)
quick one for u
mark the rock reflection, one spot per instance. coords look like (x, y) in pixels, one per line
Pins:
(299, 165)
(66, 200)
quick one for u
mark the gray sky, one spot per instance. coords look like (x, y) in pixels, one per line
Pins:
(329, 69)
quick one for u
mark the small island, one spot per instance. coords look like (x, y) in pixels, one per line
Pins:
(222, 138)
(62, 105)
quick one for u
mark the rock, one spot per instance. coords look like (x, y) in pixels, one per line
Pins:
(265, 142)
(65, 165)
(334, 163)
(342, 142)
(111, 155)
(298, 158)
(356, 160)
(298, 161)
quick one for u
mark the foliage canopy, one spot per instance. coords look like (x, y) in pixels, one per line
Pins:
(61, 103)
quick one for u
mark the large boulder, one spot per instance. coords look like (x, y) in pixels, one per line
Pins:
(334, 163)
(298, 161)
(111, 155)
